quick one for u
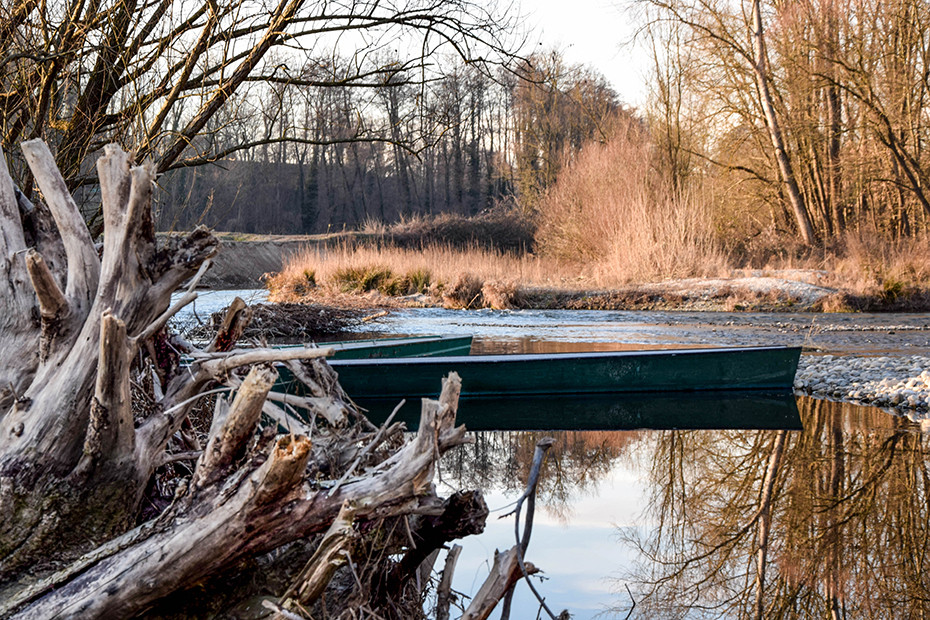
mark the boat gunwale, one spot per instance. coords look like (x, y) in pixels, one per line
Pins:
(560, 356)
(376, 342)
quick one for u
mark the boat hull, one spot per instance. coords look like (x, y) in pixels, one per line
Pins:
(751, 368)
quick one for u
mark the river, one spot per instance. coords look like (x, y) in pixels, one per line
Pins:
(673, 519)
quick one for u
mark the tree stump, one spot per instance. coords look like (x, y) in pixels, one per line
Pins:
(84, 328)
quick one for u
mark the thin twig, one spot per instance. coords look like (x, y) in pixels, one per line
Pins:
(413, 543)
(374, 442)
(195, 397)
(358, 581)
(630, 613)
(217, 364)
(529, 495)
(190, 455)
(288, 615)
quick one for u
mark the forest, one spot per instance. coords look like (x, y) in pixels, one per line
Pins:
(471, 139)
(773, 127)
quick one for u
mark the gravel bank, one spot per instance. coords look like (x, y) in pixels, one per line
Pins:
(901, 383)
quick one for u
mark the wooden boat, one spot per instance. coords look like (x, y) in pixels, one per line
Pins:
(416, 346)
(382, 348)
(681, 370)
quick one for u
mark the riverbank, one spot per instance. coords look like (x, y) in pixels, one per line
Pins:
(440, 276)
(343, 270)
(773, 292)
(900, 384)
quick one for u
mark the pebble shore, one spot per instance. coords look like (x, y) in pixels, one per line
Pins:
(901, 383)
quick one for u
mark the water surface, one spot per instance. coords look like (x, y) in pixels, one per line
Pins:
(673, 519)
(676, 518)
(560, 330)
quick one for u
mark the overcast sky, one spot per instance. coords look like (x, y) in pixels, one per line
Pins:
(592, 32)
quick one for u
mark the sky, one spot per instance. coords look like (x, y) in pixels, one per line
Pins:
(595, 33)
(582, 558)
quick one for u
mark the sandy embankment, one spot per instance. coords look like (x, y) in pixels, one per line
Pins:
(241, 263)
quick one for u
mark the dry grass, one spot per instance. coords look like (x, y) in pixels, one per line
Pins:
(876, 273)
(502, 295)
(463, 292)
(870, 271)
(869, 274)
(462, 278)
(867, 261)
(609, 210)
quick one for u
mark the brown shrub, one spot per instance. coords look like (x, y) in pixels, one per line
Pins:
(503, 230)
(610, 211)
(464, 292)
(837, 302)
(501, 295)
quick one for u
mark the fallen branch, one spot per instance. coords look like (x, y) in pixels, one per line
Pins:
(529, 496)
(510, 567)
(329, 556)
(371, 446)
(505, 572)
(189, 296)
(444, 589)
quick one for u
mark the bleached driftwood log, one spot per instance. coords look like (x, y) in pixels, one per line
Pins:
(76, 457)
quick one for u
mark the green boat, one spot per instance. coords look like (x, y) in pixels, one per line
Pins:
(682, 370)
(416, 346)
(381, 348)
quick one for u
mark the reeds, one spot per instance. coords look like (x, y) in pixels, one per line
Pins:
(461, 278)
(611, 210)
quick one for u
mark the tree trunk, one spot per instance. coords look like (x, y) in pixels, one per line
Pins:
(76, 455)
(801, 215)
(765, 520)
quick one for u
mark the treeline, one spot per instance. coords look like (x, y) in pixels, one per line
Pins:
(184, 83)
(331, 157)
(802, 120)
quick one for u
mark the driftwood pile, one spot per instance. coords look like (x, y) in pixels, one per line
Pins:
(284, 323)
(110, 509)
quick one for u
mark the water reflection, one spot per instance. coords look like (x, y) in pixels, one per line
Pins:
(828, 522)
(500, 461)
(832, 521)
(745, 409)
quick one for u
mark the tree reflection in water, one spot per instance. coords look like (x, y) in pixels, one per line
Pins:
(829, 522)
(832, 521)
(501, 460)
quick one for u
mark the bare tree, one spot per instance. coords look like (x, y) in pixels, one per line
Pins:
(817, 112)
(760, 69)
(81, 74)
